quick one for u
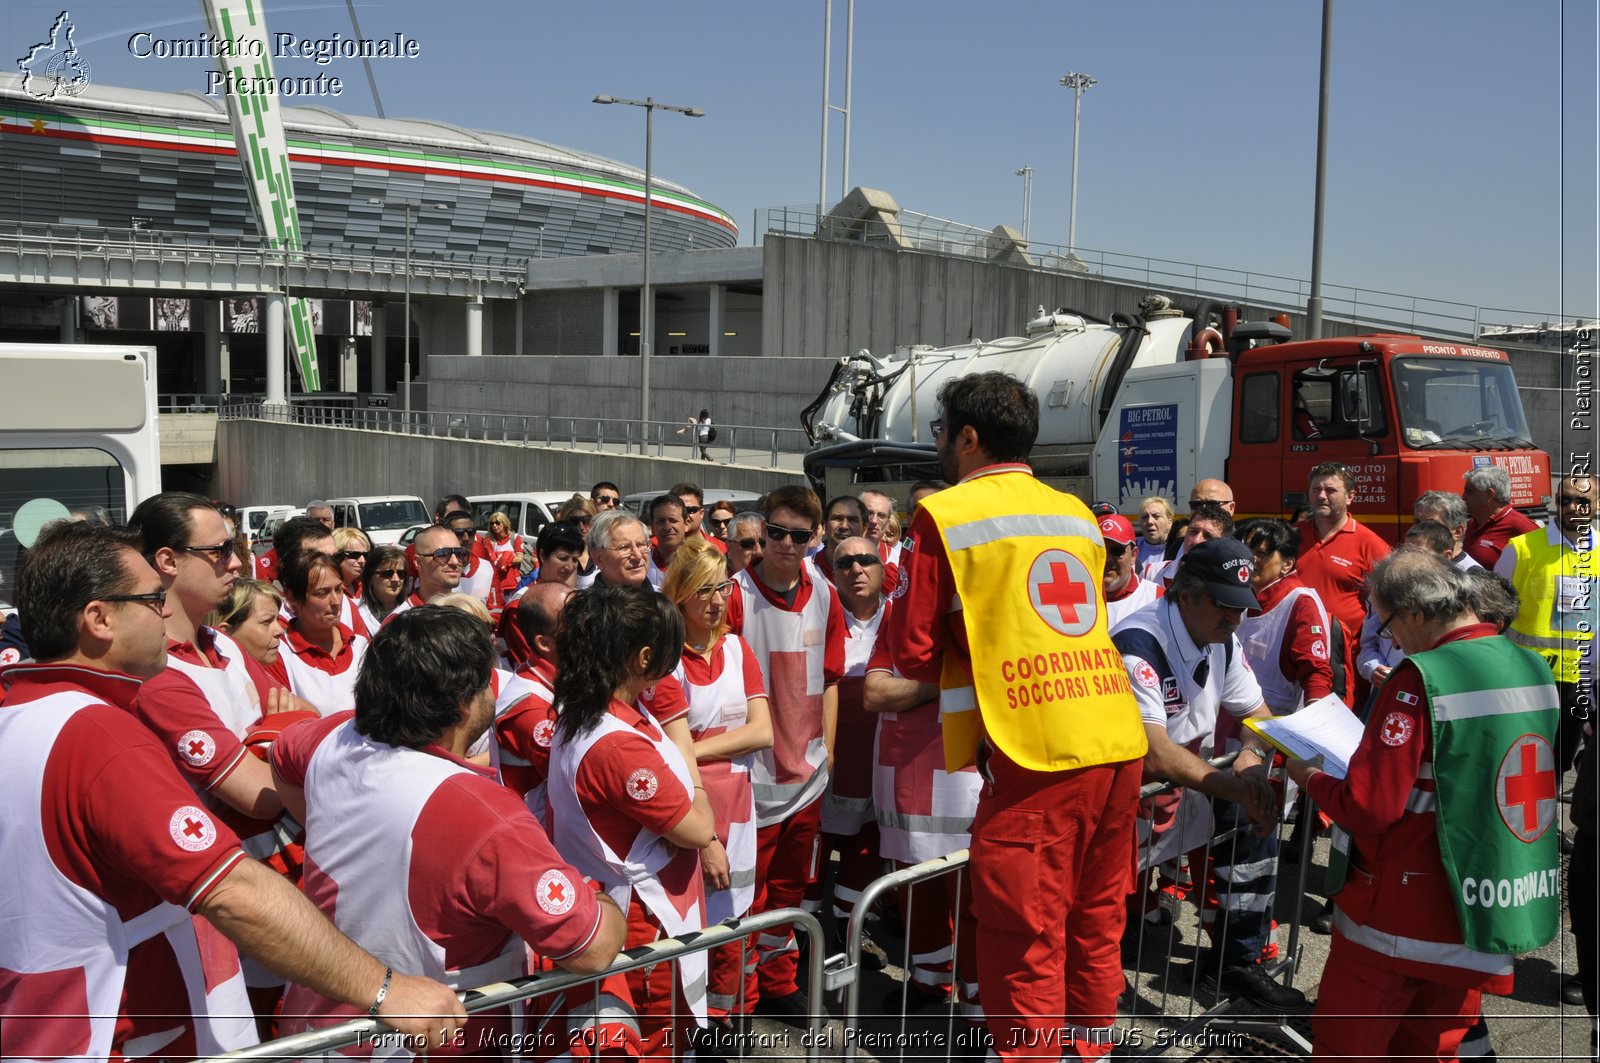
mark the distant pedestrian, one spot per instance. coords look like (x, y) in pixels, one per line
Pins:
(704, 433)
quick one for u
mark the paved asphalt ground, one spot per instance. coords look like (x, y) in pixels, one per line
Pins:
(1531, 1024)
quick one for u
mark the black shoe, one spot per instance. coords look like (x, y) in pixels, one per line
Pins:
(792, 1010)
(1250, 982)
(915, 999)
(716, 1041)
(1572, 990)
(1322, 922)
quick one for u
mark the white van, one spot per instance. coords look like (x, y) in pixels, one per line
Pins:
(529, 511)
(253, 520)
(382, 517)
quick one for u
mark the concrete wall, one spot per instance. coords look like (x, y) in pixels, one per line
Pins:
(261, 462)
(187, 438)
(563, 321)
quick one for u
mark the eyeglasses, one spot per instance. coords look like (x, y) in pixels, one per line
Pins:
(1383, 628)
(798, 536)
(155, 598)
(389, 573)
(633, 549)
(689, 511)
(844, 561)
(349, 555)
(750, 544)
(218, 553)
(605, 500)
(705, 594)
(1575, 500)
(936, 426)
(580, 518)
(460, 553)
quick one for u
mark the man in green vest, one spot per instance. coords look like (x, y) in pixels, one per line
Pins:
(1554, 569)
(1450, 800)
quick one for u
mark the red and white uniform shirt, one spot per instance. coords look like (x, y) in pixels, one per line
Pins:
(893, 558)
(480, 877)
(108, 853)
(847, 804)
(410, 601)
(266, 566)
(801, 650)
(719, 687)
(353, 616)
(1287, 644)
(1135, 596)
(614, 792)
(507, 572)
(523, 733)
(477, 575)
(656, 573)
(923, 811)
(327, 681)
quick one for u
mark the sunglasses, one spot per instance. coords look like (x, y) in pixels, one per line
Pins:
(936, 427)
(724, 588)
(605, 500)
(217, 553)
(751, 544)
(844, 561)
(1117, 549)
(1574, 500)
(460, 553)
(348, 555)
(389, 573)
(721, 522)
(798, 536)
(689, 511)
(155, 598)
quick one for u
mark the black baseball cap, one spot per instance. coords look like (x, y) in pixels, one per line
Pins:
(1226, 567)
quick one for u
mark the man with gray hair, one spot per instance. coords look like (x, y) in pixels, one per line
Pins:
(619, 543)
(1486, 491)
(747, 541)
(321, 512)
(1448, 802)
(1451, 511)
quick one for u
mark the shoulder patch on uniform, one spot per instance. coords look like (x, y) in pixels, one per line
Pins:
(555, 892)
(1319, 650)
(543, 732)
(642, 784)
(1397, 729)
(197, 748)
(1405, 697)
(1145, 675)
(192, 829)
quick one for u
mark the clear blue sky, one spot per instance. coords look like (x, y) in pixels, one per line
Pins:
(1462, 139)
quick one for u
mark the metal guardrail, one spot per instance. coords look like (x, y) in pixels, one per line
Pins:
(187, 248)
(1366, 306)
(188, 402)
(657, 438)
(666, 950)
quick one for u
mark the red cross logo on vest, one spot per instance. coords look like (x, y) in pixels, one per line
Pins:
(1526, 788)
(554, 892)
(642, 784)
(192, 829)
(1064, 592)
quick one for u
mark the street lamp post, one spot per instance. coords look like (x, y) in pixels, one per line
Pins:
(1026, 173)
(1079, 84)
(646, 308)
(405, 373)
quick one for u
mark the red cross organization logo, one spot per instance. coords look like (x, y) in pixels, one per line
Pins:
(10, 655)
(197, 748)
(1063, 591)
(192, 829)
(543, 732)
(1526, 787)
(555, 893)
(642, 784)
(1396, 730)
(1146, 675)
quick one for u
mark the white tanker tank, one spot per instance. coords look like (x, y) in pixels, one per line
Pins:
(1075, 365)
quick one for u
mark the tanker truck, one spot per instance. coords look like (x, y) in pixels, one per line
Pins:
(1146, 404)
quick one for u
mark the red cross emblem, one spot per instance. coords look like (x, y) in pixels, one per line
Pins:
(197, 748)
(1063, 592)
(543, 732)
(1396, 730)
(192, 829)
(1526, 787)
(642, 784)
(554, 892)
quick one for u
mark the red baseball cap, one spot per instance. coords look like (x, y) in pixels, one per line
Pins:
(1117, 528)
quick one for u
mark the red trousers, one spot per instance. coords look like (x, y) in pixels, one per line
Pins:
(786, 863)
(665, 1021)
(859, 864)
(1052, 862)
(1367, 1013)
(930, 912)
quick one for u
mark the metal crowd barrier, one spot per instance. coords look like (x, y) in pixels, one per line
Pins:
(485, 998)
(1179, 1017)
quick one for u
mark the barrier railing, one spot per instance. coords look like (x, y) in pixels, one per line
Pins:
(666, 950)
(1181, 1014)
(735, 444)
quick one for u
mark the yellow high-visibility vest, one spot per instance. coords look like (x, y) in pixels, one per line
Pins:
(1046, 684)
(1557, 586)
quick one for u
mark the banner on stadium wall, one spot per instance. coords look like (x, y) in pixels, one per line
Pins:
(263, 155)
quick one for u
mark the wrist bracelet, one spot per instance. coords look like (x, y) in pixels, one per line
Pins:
(383, 991)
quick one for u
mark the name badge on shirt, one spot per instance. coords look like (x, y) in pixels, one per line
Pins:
(734, 713)
(813, 637)
(1572, 594)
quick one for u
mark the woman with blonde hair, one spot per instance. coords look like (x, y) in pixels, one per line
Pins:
(1155, 514)
(350, 549)
(252, 617)
(580, 513)
(728, 722)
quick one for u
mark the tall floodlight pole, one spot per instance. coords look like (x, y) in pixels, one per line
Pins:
(1026, 173)
(1314, 302)
(1079, 84)
(405, 385)
(647, 315)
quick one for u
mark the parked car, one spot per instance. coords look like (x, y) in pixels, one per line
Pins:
(529, 511)
(382, 517)
(638, 502)
(254, 520)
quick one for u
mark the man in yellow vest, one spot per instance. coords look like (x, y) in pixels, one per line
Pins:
(1554, 570)
(1004, 610)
